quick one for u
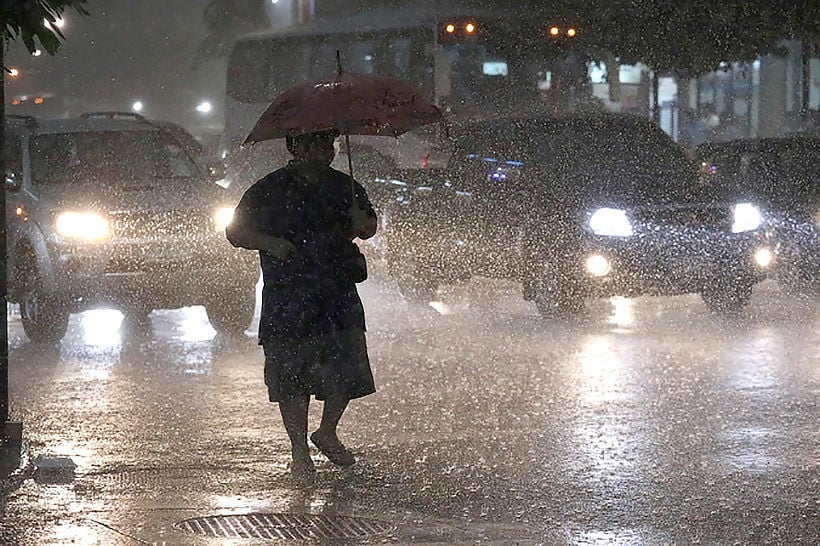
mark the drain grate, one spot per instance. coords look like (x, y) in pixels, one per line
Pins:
(284, 526)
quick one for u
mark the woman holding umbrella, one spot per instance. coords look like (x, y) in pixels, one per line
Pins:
(302, 219)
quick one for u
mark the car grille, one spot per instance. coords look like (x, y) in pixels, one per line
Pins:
(160, 225)
(696, 218)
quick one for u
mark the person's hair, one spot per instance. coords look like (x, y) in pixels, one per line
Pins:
(294, 142)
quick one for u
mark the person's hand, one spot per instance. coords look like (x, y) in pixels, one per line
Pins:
(280, 248)
(363, 224)
(358, 217)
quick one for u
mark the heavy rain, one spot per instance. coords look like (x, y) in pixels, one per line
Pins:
(552, 268)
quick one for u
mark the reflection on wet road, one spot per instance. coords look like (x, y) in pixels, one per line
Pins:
(650, 421)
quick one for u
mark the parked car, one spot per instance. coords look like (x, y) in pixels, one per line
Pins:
(110, 209)
(578, 207)
(781, 176)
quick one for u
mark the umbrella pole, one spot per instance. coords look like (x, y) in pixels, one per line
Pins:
(347, 136)
(350, 166)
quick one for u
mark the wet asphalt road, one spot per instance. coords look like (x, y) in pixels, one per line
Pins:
(649, 422)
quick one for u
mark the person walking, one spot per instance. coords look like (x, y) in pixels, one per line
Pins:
(303, 219)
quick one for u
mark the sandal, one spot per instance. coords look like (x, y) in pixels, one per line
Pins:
(336, 452)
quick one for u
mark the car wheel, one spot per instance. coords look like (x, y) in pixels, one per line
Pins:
(727, 300)
(232, 314)
(44, 316)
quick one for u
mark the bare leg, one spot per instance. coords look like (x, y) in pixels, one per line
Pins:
(332, 412)
(295, 417)
(325, 437)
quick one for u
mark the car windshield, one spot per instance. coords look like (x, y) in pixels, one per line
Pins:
(115, 157)
(588, 156)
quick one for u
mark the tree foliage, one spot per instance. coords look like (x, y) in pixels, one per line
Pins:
(694, 36)
(225, 20)
(34, 21)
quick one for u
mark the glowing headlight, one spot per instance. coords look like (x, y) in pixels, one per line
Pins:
(223, 217)
(88, 226)
(611, 223)
(764, 257)
(747, 218)
(598, 266)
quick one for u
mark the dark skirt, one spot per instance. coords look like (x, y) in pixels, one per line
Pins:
(329, 364)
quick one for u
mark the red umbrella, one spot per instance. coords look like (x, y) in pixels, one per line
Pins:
(353, 104)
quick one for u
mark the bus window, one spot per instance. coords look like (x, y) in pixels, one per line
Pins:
(259, 70)
(324, 60)
(361, 57)
(474, 75)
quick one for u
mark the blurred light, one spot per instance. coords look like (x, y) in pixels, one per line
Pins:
(622, 312)
(101, 327)
(16, 102)
(204, 107)
(598, 266)
(59, 22)
(497, 176)
(18, 211)
(571, 32)
(13, 72)
(88, 226)
(555, 31)
(611, 223)
(274, 2)
(39, 100)
(137, 106)
(36, 52)
(469, 28)
(747, 218)
(441, 307)
(223, 218)
(764, 257)
(450, 28)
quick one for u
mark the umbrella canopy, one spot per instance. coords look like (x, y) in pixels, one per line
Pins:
(353, 104)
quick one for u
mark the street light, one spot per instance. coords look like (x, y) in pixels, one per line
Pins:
(204, 107)
(137, 106)
(13, 72)
(36, 52)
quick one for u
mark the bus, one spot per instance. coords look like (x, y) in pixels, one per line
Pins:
(473, 65)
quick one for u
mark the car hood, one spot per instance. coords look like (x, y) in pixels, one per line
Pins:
(138, 195)
(590, 186)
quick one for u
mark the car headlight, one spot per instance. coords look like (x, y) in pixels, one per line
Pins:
(611, 223)
(747, 218)
(223, 217)
(86, 226)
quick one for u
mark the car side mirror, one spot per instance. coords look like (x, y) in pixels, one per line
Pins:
(12, 181)
(216, 170)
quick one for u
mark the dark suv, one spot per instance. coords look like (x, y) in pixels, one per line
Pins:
(578, 207)
(109, 209)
